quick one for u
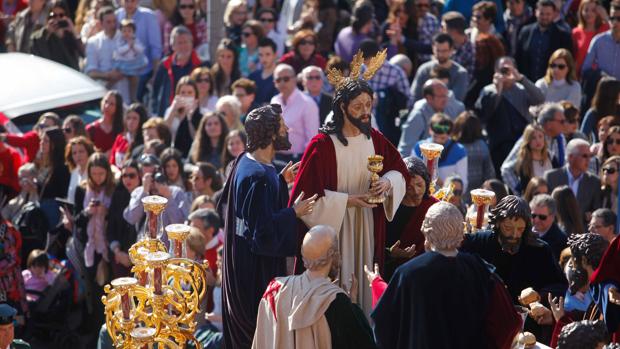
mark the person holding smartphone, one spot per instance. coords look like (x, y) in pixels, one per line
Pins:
(504, 107)
(183, 116)
(57, 40)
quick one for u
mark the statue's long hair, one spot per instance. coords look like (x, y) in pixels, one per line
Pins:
(350, 90)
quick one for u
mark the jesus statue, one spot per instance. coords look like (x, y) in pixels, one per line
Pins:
(334, 166)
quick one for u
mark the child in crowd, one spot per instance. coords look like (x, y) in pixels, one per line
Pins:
(129, 57)
(38, 276)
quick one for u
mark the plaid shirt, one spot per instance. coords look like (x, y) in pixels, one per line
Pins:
(390, 75)
(200, 37)
(465, 56)
(427, 28)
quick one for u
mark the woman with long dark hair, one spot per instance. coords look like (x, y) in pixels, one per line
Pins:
(172, 167)
(210, 139)
(402, 19)
(183, 115)
(569, 214)
(225, 71)
(604, 103)
(103, 132)
(126, 142)
(120, 234)
(205, 180)
(53, 173)
(234, 144)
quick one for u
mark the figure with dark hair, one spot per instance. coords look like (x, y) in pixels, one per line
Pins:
(349, 38)
(103, 132)
(522, 260)
(443, 298)
(404, 238)
(586, 253)
(334, 166)
(259, 228)
(584, 334)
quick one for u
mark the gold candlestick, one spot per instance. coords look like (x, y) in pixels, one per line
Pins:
(375, 165)
(154, 205)
(431, 152)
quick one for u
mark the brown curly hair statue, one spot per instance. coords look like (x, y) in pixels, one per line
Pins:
(262, 126)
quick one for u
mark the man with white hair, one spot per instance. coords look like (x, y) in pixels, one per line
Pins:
(300, 112)
(312, 78)
(309, 310)
(444, 298)
(585, 185)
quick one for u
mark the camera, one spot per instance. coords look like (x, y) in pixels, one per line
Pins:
(504, 70)
(63, 23)
(159, 178)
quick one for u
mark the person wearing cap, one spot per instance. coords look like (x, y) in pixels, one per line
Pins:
(7, 331)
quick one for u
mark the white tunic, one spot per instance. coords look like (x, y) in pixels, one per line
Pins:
(354, 224)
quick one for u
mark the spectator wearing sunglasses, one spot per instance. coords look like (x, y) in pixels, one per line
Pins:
(585, 185)
(603, 222)
(571, 128)
(73, 126)
(312, 78)
(186, 14)
(251, 34)
(268, 17)
(57, 41)
(453, 160)
(610, 147)
(560, 82)
(120, 234)
(544, 226)
(304, 52)
(609, 182)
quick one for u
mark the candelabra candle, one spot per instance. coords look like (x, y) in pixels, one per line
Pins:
(431, 152)
(157, 261)
(154, 205)
(142, 278)
(177, 233)
(123, 285)
(482, 199)
(143, 336)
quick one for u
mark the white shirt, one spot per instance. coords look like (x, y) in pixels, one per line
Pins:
(573, 182)
(99, 51)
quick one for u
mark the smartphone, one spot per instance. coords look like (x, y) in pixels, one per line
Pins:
(504, 70)
(63, 24)
(187, 102)
(96, 202)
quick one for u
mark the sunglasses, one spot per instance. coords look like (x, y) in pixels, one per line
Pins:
(203, 80)
(609, 170)
(247, 34)
(56, 15)
(441, 129)
(186, 7)
(267, 20)
(313, 77)
(283, 79)
(614, 19)
(130, 175)
(559, 66)
(542, 217)
(67, 130)
(306, 42)
(611, 141)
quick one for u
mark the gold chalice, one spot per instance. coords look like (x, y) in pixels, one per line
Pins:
(375, 165)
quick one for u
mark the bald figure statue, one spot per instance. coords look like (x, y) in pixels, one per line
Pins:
(309, 310)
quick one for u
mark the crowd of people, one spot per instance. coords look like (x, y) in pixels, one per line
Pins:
(261, 141)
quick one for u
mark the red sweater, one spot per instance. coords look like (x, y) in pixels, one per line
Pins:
(29, 142)
(10, 161)
(120, 146)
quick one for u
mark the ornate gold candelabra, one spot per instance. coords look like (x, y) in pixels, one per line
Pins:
(375, 165)
(431, 153)
(481, 198)
(158, 306)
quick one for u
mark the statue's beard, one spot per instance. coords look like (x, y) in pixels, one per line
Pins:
(363, 126)
(509, 245)
(577, 278)
(282, 142)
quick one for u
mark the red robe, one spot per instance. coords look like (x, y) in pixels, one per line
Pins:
(318, 172)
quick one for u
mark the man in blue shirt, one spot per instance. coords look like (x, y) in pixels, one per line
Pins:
(265, 88)
(148, 33)
(604, 51)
